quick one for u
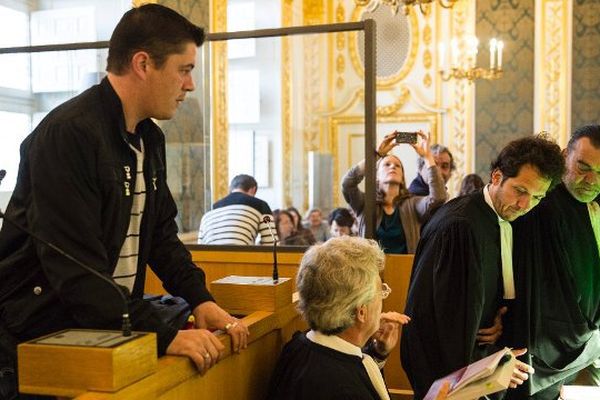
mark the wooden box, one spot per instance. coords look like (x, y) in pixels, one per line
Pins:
(79, 359)
(246, 294)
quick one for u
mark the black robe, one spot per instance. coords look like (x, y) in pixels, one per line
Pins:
(309, 371)
(455, 289)
(557, 273)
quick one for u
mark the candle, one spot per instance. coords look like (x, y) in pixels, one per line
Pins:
(493, 45)
(454, 52)
(442, 56)
(500, 45)
(473, 44)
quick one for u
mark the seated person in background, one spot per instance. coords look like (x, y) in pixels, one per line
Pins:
(445, 163)
(399, 214)
(341, 221)
(471, 183)
(238, 218)
(316, 225)
(284, 224)
(299, 230)
(341, 294)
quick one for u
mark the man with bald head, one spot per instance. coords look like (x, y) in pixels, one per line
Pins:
(557, 266)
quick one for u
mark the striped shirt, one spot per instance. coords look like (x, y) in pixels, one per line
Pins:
(237, 219)
(126, 269)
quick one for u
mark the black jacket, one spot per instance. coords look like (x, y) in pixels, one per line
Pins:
(556, 262)
(71, 191)
(455, 290)
(418, 186)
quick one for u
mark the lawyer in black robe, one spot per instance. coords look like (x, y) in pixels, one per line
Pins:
(303, 366)
(455, 289)
(557, 268)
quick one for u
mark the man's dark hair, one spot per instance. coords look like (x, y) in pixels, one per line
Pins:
(591, 132)
(437, 149)
(243, 182)
(543, 154)
(155, 29)
(341, 216)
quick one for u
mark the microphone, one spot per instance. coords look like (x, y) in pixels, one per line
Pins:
(2, 174)
(126, 326)
(267, 220)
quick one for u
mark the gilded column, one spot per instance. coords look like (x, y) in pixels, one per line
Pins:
(462, 114)
(220, 125)
(286, 101)
(552, 102)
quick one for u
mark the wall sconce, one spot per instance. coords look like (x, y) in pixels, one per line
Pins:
(468, 55)
(406, 4)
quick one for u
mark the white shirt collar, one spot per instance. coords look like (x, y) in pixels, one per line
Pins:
(488, 200)
(506, 245)
(334, 342)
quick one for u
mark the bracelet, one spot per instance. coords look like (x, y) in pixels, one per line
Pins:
(379, 155)
(230, 325)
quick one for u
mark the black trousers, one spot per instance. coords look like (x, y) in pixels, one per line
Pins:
(8, 365)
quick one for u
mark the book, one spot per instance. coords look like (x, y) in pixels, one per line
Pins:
(575, 392)
(488, 375)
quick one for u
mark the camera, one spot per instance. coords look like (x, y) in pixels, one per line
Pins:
(406, 137)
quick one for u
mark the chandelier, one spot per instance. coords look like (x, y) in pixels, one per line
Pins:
(460, 61)
(406, 4)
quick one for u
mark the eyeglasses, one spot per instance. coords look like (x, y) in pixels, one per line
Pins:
(385, 290)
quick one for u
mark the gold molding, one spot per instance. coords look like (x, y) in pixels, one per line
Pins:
(286, 103)
(410, 59)
(334, 42)
(220, 124)
(553, 32)
(462, 115)
(359, 95)
(137, 3)
(427, 57)
(337, 121)
(313, 12)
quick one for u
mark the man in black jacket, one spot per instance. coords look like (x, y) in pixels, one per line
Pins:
(445, 163)
(92, 180)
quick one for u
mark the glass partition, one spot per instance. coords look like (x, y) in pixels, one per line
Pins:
(34, 82)
(260, 108)
(271, 114)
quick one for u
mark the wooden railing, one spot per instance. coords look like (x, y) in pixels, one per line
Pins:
(218, 263)
(236, 376)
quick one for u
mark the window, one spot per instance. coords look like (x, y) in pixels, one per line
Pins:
(15, 127)
(33, 84)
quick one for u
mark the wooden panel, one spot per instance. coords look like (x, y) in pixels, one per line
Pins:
(397, 275)
(236, 376)
(217, 264)
(84, 367)
(243, 295)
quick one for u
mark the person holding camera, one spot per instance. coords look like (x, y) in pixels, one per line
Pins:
(399, 214)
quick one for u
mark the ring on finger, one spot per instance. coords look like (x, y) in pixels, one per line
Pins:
(206, 356)
(230, 325)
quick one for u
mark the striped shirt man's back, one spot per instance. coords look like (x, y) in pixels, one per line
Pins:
(237, 220)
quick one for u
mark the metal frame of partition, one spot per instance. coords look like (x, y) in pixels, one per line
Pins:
(369, 28)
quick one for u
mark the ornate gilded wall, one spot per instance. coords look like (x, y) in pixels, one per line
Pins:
(586, 63)
(504, 108)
